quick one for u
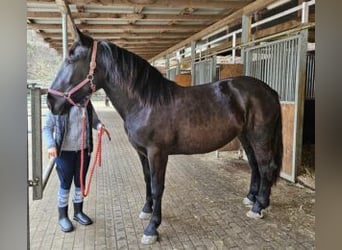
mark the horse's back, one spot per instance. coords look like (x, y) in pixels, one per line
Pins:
(255, 96)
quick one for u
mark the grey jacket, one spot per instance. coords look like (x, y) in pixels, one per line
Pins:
(55, 129)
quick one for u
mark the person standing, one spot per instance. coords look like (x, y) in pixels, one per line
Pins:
(63, 138)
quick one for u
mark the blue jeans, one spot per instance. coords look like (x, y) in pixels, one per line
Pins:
(68, 168)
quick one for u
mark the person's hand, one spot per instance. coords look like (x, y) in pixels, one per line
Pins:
(102, 129)
(99, 126)
(52, 152)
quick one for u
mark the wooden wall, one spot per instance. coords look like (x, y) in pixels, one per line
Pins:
(183, 79)
(230, 70)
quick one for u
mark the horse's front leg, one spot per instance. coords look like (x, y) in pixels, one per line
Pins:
(147, 209)
(157, 161)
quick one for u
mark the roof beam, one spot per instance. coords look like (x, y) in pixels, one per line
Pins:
(128, 28)
(145, 43)
(162, 3)
(117, 35)
(120, 16)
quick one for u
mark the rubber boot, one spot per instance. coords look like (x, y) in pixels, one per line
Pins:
(63, 219)
(79, 216)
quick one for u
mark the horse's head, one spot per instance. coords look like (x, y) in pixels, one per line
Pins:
(77, 77)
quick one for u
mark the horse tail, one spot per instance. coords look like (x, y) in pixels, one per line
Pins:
(277, 160)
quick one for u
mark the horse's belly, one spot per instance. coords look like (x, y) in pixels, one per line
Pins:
(199, 141)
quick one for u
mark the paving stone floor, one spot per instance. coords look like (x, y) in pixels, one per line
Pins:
(202, 205)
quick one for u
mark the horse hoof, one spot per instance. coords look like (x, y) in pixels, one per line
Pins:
(253, 215)
(145, 216)
(149, 239)
(247, 202)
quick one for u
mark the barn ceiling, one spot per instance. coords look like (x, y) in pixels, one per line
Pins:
(145, 27)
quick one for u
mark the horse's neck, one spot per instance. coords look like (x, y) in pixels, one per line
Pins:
(120, 100)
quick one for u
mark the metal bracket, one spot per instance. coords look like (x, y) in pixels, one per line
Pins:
(33, 183)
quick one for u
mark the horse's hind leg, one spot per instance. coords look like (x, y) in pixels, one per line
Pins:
(146, 211)
(255, 175)
(263, 197)
(157, 162)
(268, 170)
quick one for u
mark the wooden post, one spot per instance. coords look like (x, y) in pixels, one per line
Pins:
(246, 34)
(246, 28)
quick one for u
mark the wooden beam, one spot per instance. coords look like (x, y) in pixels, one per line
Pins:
(120, 16)
(117, 35)
(226, 4)
(131, 28)
(257, 5)
(142, 47)
(141, 43)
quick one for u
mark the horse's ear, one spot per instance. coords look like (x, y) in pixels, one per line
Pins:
(77, 33)
(82, 38)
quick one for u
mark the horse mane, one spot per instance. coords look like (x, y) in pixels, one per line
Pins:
(135, 75)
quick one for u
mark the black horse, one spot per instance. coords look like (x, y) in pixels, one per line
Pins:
(162, 118)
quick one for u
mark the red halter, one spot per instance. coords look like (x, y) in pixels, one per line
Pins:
(89, 78)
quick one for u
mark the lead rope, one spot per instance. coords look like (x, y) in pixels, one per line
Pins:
(98, 154)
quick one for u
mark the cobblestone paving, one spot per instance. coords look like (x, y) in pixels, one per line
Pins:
(202, 205)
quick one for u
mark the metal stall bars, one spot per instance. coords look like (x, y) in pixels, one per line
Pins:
(205, 71)
(276, 64)
(310, 77)
(39, 178)
(171, 74)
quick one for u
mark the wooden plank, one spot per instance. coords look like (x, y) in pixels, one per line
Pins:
(172, 3)
(230, 70)
(132, 28)
(117, 35)
(183, 79)
(160, 3)
(120, 16)
(277, 28)
(288, 114)
(146, 42)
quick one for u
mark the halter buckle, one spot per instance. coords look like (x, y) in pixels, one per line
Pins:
(66, 95)
(90, 77)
